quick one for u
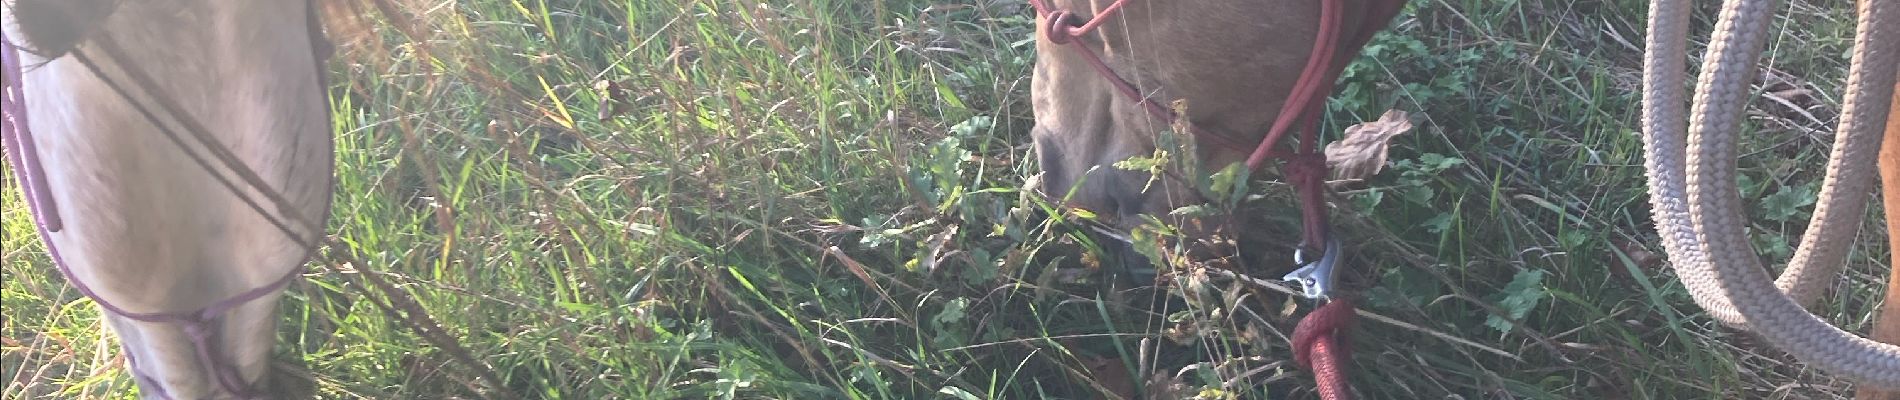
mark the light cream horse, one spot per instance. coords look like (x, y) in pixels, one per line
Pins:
(1235, 63)
(177, 155)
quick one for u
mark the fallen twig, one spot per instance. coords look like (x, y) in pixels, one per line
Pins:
(1282, 288)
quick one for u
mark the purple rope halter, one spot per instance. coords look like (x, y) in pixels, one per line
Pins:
(18, 139)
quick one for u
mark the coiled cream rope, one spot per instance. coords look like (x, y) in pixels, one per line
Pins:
(1698, 213)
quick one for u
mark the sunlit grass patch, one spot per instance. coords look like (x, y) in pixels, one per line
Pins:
(825, 199)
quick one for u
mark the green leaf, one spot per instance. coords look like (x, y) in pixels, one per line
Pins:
(1519, 297)
(949, 330)
(1771, 245)
(1572, 238)
(973, 127)
(1421, 195)
(952, 311)
(982, 267)
(1139, 163)
(578, 308)
(1147, 242)
(950, 96)
(1438, 224)
(1409, 287)
(1230, 183)
(1435, 162)
(1788, 202)
(1369, 200)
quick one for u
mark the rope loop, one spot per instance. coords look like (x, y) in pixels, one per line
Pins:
(1330, 321)
(1061, 27)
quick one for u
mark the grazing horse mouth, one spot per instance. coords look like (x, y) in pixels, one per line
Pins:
(54, 29)
(1064, 131)
(1089, 69)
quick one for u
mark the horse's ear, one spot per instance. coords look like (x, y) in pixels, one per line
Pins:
(52, 28)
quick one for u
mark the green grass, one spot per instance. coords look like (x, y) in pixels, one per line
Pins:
(822, 199)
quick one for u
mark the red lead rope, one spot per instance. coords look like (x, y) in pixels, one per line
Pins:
(1318, 341)
(1319, 345)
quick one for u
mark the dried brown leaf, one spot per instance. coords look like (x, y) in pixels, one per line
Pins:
(1361, 154)
(613, 98)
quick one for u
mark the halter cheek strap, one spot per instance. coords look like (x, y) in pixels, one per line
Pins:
(21, 152)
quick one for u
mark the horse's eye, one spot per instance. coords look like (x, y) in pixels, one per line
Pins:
(52, 28)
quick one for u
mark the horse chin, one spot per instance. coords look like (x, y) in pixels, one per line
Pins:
(165, 361)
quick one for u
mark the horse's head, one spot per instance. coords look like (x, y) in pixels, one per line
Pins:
(178, 156)
(1228, 65)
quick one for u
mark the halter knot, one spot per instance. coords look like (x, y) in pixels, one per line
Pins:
(1305, 170)
(1320, 345)
(196, 330)
(1062, 27)
(1330, 322)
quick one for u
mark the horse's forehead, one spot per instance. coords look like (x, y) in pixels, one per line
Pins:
(54, 27)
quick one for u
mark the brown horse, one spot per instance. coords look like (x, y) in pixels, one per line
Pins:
(1233, 65)
(1887, 325)
(1113, 76)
